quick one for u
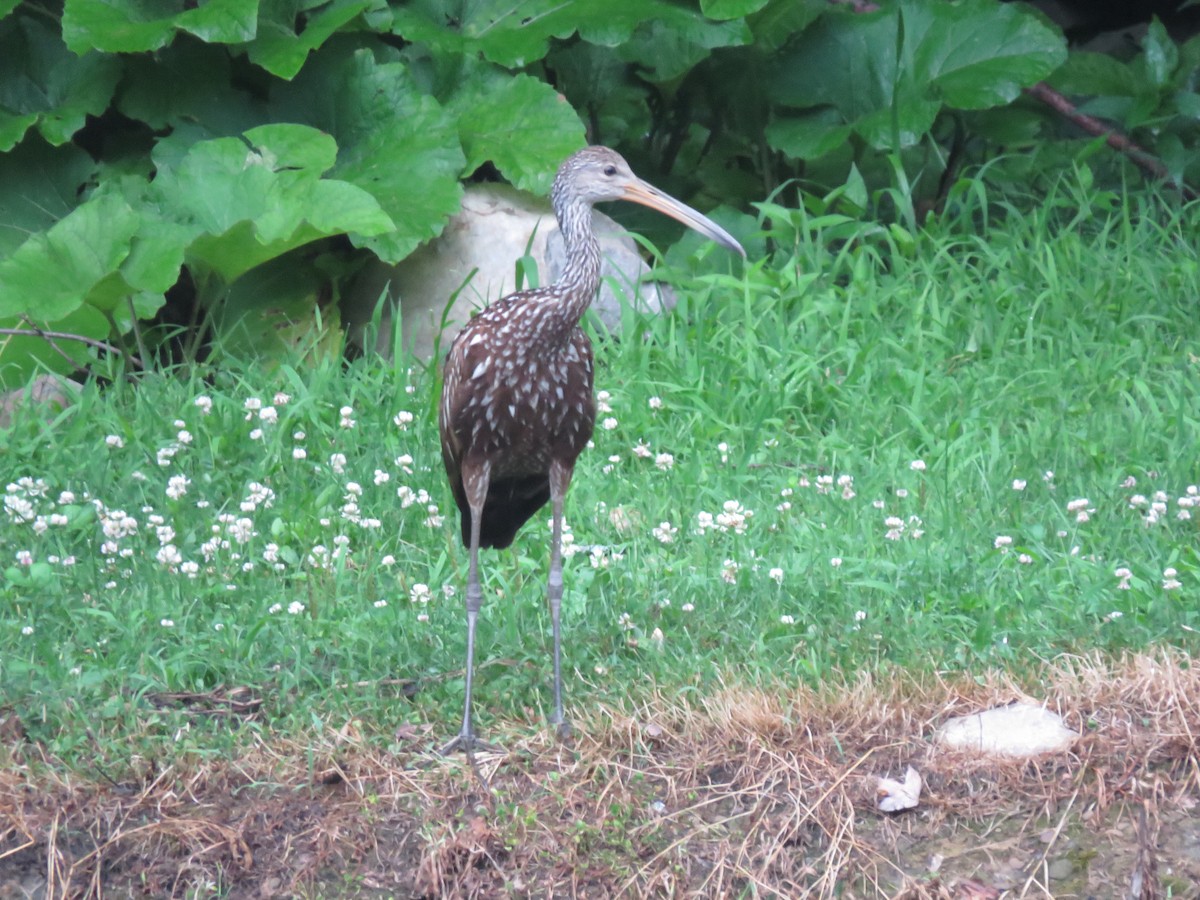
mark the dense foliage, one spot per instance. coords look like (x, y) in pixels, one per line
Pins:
(153, 156)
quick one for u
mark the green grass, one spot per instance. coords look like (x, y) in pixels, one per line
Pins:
(1059, 337)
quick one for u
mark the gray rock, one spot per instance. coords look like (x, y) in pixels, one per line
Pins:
(51, 392)
(473, 263)
(1019, 730)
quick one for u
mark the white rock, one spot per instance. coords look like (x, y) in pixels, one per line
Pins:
(1020, 730)
(473, 263)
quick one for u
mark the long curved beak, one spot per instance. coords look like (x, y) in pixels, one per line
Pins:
(639, 191)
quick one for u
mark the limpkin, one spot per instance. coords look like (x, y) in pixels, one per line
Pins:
(517, 406)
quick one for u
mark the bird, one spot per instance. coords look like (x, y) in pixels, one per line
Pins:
(517, 407)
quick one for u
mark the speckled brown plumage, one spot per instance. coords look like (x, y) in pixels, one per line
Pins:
(517, 407)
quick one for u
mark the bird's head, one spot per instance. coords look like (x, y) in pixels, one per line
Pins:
(597, 174)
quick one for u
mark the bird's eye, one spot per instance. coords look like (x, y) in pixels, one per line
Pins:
(610, 170)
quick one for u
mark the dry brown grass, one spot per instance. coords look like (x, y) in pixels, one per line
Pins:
(744, 792)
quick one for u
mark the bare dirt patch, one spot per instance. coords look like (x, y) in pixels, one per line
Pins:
(742, 792)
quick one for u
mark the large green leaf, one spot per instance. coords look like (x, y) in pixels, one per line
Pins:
(128, 26)
(976, 54)
(288, 30)
(516, 33)
(730, 9)
(669, 43)
(1095, 73)
(518, 123)
(809, 134)
(42, 82)
(888, 73)
(849, 62)
(189, 84)
(774, 24)
(54, 272)
(39, 184)
(253, 199)
(393, 141)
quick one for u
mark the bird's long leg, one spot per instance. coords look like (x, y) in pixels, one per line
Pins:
(475, 483)
(560, 480)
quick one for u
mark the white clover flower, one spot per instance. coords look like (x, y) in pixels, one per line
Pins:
(729, 570)
(382, 477)
(299, 453)
(257, 495)
(18, 508)
(346, 415)
(203, 403)
(27, 630)
(665, 532)
(787, 620)
(275, 608)
(1019, 484)
(1170, 580)
(642, 450)
(835, 561)
(281, 399)
(295, 608)
(269, 415)
(388, 560)
(184, 436)
(241, 530)
(337, 462)
(655, 402)
(733, 517)
(664, 461)
(167, 623)
(602, 398)
(609, 423)
(380, 604)
(1002, 542)
(420, 593)
(917, 465)
(252, 405)
(403, 419)
(115, 441)
(776, 575)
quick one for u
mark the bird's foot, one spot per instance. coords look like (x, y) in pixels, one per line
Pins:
(468, 742)
(562, 729)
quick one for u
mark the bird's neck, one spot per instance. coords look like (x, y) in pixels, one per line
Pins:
(576, 287)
